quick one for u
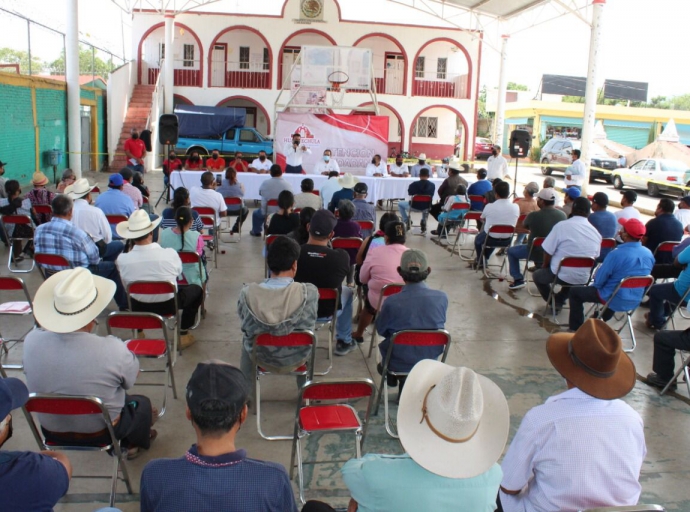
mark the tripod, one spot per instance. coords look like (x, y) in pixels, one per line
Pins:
(514, 194)
(168, 187)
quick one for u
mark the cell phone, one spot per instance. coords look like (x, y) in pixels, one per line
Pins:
(219, 179)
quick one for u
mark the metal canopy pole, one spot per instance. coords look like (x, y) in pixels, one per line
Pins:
(72, 78)
(502, 89)
(589, 118)
(169, 64)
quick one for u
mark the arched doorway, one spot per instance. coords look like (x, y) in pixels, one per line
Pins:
(257, 115)
(241, 57)
(187, 54)
(178, 99)
(442, 69)
(436, 130)
(396, 127)
(290, 49)
(390, 62)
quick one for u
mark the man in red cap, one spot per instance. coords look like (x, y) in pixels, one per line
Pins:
(629, 259)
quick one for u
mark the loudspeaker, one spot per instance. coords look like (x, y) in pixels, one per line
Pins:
(520, 142)
(168, 128)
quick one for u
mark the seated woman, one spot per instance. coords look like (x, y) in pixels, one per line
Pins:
(448, 215)
(194, 162)
(138, 183)
(283, 221)
(68, 178)
(301, 234)
(347, 228)
(230, 187)
(180, 198)
(40, 195)
(183, 238)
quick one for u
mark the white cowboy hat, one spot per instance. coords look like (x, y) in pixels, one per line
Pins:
(79, 188)
(464, 420)
(422, 156)
(138, 225)
(347, 180)
(70, 299)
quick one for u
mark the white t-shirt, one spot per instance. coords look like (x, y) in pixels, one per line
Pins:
(328, 189)
(149, 263)
(262, 166)
(92, 220)
(501, 211)
(496, 167)
(322, 167)
(399, 171)
(683, 216)
(572, 237)
(382, 168)
(210, 198)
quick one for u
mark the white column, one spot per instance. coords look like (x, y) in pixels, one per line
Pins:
(500, 119)
(72, 78)
(169, 63)
(589, 118)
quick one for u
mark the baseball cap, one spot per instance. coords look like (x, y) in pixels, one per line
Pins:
(322, 223)
(600, 199)
(217, 380)
(572, 192)
(115, 180)
(686, 199)
(413, 261)
(547, 194)
(481, 173)
(13, 394)
(633, 227)
(361, 188)
(630, 195)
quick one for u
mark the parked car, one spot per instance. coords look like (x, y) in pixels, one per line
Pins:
(482, 148)
(560, 151)
(654, 174)
(246, 139)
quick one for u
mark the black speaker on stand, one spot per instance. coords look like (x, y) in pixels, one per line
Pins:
(520, 143)
(168, 133)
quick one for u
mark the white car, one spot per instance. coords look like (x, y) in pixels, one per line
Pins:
(656, 175)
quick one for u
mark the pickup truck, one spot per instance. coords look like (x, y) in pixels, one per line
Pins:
(247, 140)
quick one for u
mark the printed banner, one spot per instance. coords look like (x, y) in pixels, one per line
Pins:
(352, 139)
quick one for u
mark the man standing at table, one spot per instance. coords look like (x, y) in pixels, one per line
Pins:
(326, 165)
(262, 164)
(294, 153)
(377, 168)
(497, 165)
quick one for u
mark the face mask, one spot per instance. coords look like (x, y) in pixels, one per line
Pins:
(373, 161)
(262, 158)
(173, 157)
(326, 158)
(398, 162)
(215, 156)
(195, 158)
(295, 142)
(135, 136)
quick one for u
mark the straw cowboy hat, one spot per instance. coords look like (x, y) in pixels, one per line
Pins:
(452, 421)
(39, 179)
(593, 360)
(79, 188)
(70, 299)
(138, 225)
(347, 180)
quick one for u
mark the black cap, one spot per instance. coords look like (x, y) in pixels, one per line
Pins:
(481, 173)
(322, 223)
(630, 195)
(361, 188)
(601, 199)
(217, 380)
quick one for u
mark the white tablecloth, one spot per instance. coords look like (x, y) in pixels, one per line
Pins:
(379, 188)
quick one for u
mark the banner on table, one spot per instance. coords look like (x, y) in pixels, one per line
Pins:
(352, 139)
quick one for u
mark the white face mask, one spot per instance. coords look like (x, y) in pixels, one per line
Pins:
(326, 158)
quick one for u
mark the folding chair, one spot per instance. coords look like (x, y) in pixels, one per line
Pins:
(538, 241)
(320, 410)
(235, 201)
(409, 338)
(628, 283)
(353, 243)
(466, 230)
(17, 220)
(316, 192)
(268, 241)
(304, 367)
(607, 244)
(271, 203)
(386, 291)
(666, 247)
(684, 369)
(452, 223)
(71, 405)
(14, 309)
(43, 260)
(328, 294)
(477, 199)
(419, 198)
(95, 190)
(633, 508)
(496, 229)
(208, 219)
(365, 225)
(192, 258)
(676, 308)
(114, 219)
(44, 209)
(567, 262)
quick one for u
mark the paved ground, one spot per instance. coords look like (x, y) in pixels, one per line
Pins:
(496, 332)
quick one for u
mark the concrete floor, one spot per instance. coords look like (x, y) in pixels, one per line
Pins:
(498, 333)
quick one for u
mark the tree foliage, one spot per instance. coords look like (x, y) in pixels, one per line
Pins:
(512, 86)
(11, 56)
(87, 61)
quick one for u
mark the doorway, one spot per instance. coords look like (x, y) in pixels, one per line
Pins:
(219, 63)
(394, 73)
(289, 57)
(85, 111)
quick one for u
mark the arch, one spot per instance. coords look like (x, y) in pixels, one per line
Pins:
(287, 40)
(457, 113)
(259, 105)
(252, 30)
(162, 24)
(397, 115)
(464, 50)
(400, 47)
(337, 6)
(182, 99)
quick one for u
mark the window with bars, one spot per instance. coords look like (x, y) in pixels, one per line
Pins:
(267, 62)
(244, 57)
(419, 68)
(426, 127)
(441, 67)
(188, 55)
(161, 52)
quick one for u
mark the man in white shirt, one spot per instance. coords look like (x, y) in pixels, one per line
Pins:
(148, 261)
(575, 173)
(497, 166)
(628, 211)
(294, 153)
(399, 169)
(501, 212)
(92, 220)
(329, 188)
(326, 165)
(207, 196)
(262, 164)
(377, 168)
(572, 237)
(584, 447)
(550, 182)
(307, 198)
(682, 213)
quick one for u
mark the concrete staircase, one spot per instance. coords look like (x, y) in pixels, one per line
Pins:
(137, 113)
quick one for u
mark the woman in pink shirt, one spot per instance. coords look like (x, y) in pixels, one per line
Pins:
(379, 269)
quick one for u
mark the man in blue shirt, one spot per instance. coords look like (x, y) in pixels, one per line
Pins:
(348, 182)
(29, 481)
(114, 201)
(628, 260)
(664, 227)
(422, 187)
(673, 292)
(603, 220)
(479, 188)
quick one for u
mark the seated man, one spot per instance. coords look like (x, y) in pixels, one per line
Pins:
(399, 168)
(663, 363)
(663, 296)
(627, 260)
(238, 163)
(130, 190)
(447, 189)
(583, 448)
(465, 418)
(114, 201)
(148, 261)
(479, 188)
(208, 197)
(603, 220)
(572, 237)
(30, 481)
(347, 183)
(502, 211)
(324, 267)
(363, 210)
(262, 164)
(215, 162)
(307, 197)
(527, 204)
(327, 164)
(63, 238)
(277, 306)
(402, 311)
(664, 227)
(421, 187)
(66, 305)
(539, 224)
(269, 189)
(214, 475)
(377, 168)
(571, 194)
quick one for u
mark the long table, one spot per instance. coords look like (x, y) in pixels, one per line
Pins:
(379, 188)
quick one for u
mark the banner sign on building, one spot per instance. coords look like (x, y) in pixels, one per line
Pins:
(622, 90)
(352, 139)
(563, 85)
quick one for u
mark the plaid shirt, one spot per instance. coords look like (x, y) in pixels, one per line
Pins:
(61, 237)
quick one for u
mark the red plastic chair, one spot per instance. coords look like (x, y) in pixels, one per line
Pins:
(536, 242)
(114, 219)
(567, 262)
(344, 242)
(303, 367)
(408, 338)
(465, 231)
(365, 225)
(386, 291)
(192, 258)
(234, 202)
(268, 241)
(209, 219)
(43, 209)
(419, 198)
(330, 295)
(71, 405)
(450, 223)
(316, 192)
(477, 199)
(496, 229)
(95, 190)
(320, 410)
(17, 220)
(154, 348)
(57, 262)
(665, 247)
(608, 243)
(270, 204)
(9, 284)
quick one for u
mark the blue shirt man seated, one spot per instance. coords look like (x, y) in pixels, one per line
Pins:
(479, 188)
(630, 259)
(422, 187)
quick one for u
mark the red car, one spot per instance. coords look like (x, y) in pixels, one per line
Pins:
(482, 148)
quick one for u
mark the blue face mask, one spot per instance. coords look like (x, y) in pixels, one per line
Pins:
(326, 158)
